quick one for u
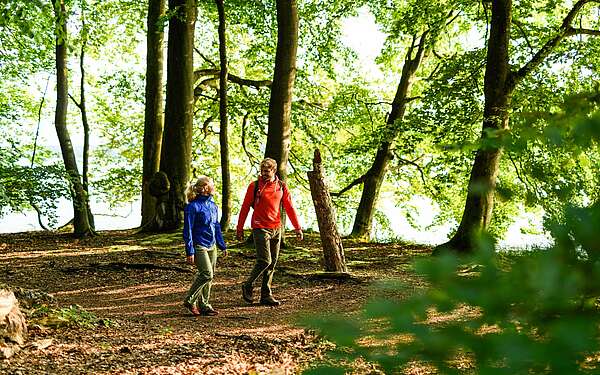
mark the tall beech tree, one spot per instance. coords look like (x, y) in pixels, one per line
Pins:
(280, 103)
(422, 42)
(81, 223)
(373, 178)
(153, 114)
(81, 104)
(223, 131)
(175, 156)
(500, 82)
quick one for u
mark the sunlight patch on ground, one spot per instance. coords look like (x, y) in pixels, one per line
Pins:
(136, 309)
(80, 291)
(136, 289)
(274, 331)
(235, 363)
(70, 252)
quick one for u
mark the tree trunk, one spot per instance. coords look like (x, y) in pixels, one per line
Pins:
(81, 222)
(176, 156)
(13, 327)
(84, 119)
(223, 131)
(153, 115)
(333, 251)
(374, 177)
(482, 183)
(280, 104)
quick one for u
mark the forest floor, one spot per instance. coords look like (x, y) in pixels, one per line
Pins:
(117, 304)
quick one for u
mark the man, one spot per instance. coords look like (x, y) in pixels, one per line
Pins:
(266, 196)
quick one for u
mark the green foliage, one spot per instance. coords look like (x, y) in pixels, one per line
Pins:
(74, 315)
(536, 312)
(26, 36)
(24, 185)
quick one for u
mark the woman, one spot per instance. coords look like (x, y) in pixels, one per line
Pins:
(201, 231)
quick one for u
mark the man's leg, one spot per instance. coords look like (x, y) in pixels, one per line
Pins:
(262, 244)
(266, 295)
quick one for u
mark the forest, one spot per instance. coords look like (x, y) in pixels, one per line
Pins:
(468, 122)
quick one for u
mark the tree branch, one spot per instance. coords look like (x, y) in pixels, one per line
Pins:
(204, 57)
(297, 176)
(75, 101)
(577, 31)
(520, 27)
(357, 181)
(256, 83)
(419, 168)
(564, 30)
(205, 125)
(251, 158)
(37, 131)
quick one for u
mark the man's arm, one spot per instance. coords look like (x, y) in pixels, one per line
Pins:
(291, 212)
(239, 233)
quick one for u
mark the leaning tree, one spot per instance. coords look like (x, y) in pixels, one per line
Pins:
(500, 81)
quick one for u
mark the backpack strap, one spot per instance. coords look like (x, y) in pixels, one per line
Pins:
(282, 185)
(255, 192)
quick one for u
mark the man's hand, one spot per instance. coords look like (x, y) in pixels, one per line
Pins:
(190, 259)
(299, 234)
(225, 252)
(239, 235)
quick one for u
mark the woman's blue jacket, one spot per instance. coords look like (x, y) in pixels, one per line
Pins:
(201, 225)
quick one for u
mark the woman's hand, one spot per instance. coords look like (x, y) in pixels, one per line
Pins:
(190, 259)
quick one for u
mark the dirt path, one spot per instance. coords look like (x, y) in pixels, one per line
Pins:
(135, 284)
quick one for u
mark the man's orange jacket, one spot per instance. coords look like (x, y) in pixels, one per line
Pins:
(266, 213)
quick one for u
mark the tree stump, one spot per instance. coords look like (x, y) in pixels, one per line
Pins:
(13, 327)
(333, 251)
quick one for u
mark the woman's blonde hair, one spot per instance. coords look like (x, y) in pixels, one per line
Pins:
(204, 185)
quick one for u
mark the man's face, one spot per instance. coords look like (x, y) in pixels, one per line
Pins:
(267, 173)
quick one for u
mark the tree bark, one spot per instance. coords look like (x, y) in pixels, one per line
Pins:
(84, 119)
(374, 177)
(333, 251)
(280, 104)
(153, 115)
(175, 157)
(223, 131)
(363, 221)
(480, 193)
(81, 224)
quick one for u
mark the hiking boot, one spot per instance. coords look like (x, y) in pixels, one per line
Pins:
(208, 311)
(191, 308)
(269, 301)
(247, 293)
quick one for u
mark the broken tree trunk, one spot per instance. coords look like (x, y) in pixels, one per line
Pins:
(333, 251)
(13, 328)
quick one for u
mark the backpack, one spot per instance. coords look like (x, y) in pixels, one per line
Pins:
(281, 186)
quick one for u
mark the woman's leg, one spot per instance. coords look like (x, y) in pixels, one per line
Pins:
(203, 276)
(205, 292)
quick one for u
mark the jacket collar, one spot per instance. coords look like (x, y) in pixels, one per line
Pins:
(203, 198)
(264, 183)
